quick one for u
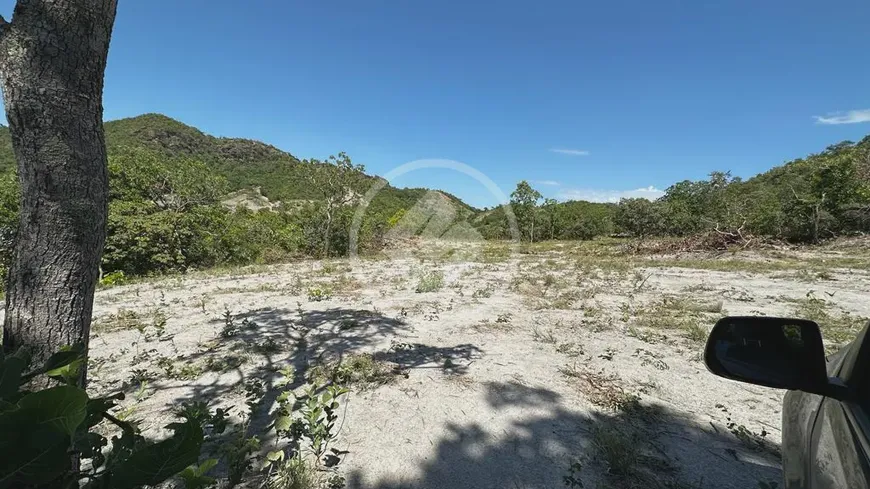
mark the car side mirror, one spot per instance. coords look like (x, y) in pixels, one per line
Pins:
(774, 352)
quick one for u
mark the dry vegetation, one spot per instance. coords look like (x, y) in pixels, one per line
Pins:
(485, 365)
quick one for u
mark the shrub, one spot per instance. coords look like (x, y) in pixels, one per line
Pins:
(430, 281)
(162, 213)
(303, 422)
(114, 278)
(356, 369)
(264, 237)
(640, 217)
(317, 294)
(44, 431)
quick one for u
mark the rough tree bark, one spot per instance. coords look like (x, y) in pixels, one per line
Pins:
(52, 62)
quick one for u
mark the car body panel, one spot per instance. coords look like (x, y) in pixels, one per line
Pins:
(837, 457)
(798, 418)
(824, 441)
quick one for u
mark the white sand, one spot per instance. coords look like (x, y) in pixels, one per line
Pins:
(500, 414)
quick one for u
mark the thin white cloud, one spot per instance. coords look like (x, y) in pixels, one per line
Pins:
(551, 183)
(572, 152)
(850, 117)
(597, 195)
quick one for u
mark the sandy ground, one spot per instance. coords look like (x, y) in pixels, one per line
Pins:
(508, 372)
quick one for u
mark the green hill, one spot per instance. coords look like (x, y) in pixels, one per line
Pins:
(244, 163)
(824, 195)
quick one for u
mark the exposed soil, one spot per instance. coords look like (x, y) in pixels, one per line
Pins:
(517, 367)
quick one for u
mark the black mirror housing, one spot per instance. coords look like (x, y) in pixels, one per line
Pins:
(774, 352)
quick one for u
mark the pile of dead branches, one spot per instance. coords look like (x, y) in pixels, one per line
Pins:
(699, 242)
(715, 240)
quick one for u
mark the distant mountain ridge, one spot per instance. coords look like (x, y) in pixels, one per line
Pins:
(245, 163)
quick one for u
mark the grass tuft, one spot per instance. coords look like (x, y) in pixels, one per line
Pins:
(431, 281)
(838, 328)
(356, 369)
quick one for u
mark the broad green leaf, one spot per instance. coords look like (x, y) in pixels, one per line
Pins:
(64, 357)
(65, 364)
(32, 453)
(62, 408)
(155, 463)
(194, 476)
(98, 406)
(283, 422)
(275, 455)
(207, 465)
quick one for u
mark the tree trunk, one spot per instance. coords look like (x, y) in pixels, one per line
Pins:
(532, 235)
(327, 233)
(52, 61)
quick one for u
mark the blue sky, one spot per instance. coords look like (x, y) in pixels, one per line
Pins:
(588, 99)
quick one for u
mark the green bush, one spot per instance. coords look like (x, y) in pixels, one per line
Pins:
(370, 234)
(640, 217)
(163, 213)
(431, 281)
(303, 422)
(259, 237)
(45, 430)
(114, 278)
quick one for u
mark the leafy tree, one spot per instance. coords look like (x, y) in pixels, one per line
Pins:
(174, 184)
(9, 195)
(549, 217)
(640, 217)
(164, 213)
(493, 224)
(584, 220)
(690, 207)
(524, 202)
(259, 237)
(339, 182)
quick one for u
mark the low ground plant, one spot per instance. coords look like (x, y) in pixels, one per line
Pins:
(430, 281)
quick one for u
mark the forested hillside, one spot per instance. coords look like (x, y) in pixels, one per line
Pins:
(821, 196)
(243, 163)
(818, 197)
(171, 184)
(169, 180)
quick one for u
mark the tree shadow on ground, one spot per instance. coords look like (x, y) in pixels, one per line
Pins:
(270, 339)
(646, 446)
(451, 360)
